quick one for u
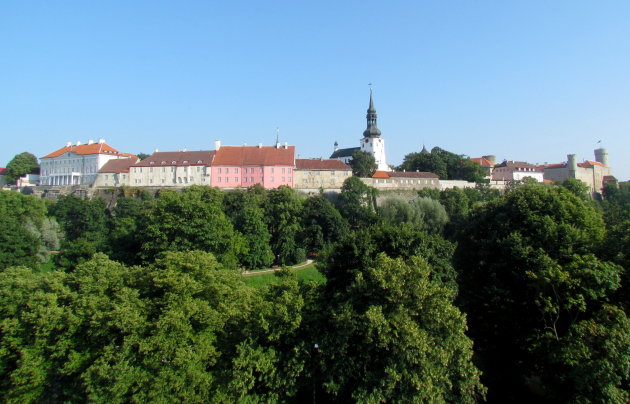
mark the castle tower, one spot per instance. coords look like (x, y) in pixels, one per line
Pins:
(601, 156)
(372, 141)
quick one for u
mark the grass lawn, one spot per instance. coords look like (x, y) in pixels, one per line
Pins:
(305, 274)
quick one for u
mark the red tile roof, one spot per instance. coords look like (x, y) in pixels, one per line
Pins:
(561, 165)
(482, 161)
(118, 165)
(319, 164)
(3, 171)
(255, 156)
(178, 158)
(404, 174)
(94, 148)
(518, 164)
(589, 163)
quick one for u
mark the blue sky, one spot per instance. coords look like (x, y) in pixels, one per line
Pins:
(524, 80)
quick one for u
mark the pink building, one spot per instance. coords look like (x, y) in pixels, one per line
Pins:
(244, 166)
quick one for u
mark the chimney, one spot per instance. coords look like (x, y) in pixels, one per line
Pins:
(90, 141)
(155, 150)
(260, 145)
(286, 145)
(101, 141)
(217, 144)
(78, 143)
(68, 144)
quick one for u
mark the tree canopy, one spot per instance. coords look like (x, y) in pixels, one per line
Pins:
(23, 163)
(449, 166)
(363, 164)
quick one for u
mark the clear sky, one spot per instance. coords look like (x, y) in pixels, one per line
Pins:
(523, 80)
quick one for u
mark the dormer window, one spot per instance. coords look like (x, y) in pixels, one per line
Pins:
(198, 161)
(173, 162)
(185, 161)
(151, 163)
(164, 162)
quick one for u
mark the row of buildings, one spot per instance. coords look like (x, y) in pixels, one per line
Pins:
(97, 164)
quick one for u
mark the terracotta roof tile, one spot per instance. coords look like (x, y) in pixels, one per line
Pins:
(560, 165)
(482, 161)
(255, 156)
(118, 165)
(3, 171)
(178, 158)
(590, 163)
(318, 164)
(380, 174)
(94, 148)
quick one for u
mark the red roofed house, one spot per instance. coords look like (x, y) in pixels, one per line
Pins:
(593, 173)
(319, 173)
(115, 173)
(3, 179)
(244, 166)
(403, 179)
(172, 169)
(77, 164)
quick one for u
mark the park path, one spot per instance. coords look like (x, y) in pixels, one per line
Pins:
(266, 271)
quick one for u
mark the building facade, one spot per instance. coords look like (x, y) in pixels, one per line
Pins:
(516, 171)
(77, 164)
(172, 169)
(244, 166)
(403, 180)
(319, 173)
(115, 173)
(593, 173)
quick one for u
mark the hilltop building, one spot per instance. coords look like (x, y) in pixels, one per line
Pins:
(172, 169)
(115, 173)
(3, 176)
(77, 164)
(594, 173)
(372, 142)
(403, 180)
(320, 173)
(516, 171)
(486, 162)
(244, 166)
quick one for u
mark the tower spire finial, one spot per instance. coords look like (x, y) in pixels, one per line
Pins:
(372, 130)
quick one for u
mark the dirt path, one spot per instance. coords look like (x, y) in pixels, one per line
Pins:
(266, 271)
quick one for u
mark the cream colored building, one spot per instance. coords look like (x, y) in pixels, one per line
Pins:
(319, 173)
(516, 171)
(403, 180)
(115, 173)
(172, 169)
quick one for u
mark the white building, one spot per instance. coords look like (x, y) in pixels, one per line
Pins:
(77, 164)
(115, 173)
(372, 142)
(516, 171)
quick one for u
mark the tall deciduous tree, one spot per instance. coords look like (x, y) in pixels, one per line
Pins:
(363, 164)
(283, 210)
(191, 220)
(391, 334)
(23, 163)
(531, 282)
(321, 223)
(357, 202)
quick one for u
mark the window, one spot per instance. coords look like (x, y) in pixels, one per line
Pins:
(236, 171)
(261, 179)
(218, 179)
(261, 169)
(251, 179)
(163, 169)
(151, 169)
(271, 170)
(282, 179)
(282, 170)
(271, 179)
(219, 170)
(226, 179)
(244, 179)
(151, 181)
(198, 169)
(235, 179)
(289, 171)
(290, 179)
(163, 180)
(227, 170)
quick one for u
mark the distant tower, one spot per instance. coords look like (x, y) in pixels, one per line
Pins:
(372, 141)
(601, 156)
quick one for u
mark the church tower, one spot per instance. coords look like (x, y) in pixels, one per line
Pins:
(372, 141)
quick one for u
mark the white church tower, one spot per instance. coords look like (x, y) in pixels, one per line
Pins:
(372, 141)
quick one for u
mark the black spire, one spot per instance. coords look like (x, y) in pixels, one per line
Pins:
(372, 130)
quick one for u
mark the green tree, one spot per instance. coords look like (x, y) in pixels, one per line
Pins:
(363, 164)
(577, 188)
(322, 223)
(391, 334)
(357, 202)
(23, 163)
(283, 212)
(425, 162)
(191, 220)
(528, 271)
(257, 238)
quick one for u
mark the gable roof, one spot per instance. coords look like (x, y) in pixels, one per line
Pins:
(84, 149)
(118, 165)
(484, 162)
(255, 156)
(344, 152)
(404, 174)
(319, 164)
(178, 158)
(518, 164)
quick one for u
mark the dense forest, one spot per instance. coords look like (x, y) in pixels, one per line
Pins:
(448, 296)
